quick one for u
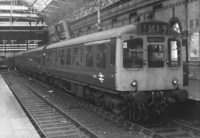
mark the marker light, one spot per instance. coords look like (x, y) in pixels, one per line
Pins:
(134, 83)
(175, 81)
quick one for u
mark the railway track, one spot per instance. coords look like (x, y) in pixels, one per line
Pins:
(106, 124)
(192, 126)
(173, 129)
(81, 114)
(47, 119)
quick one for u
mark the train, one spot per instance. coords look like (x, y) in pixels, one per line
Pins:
(133, 70)
(3, 63)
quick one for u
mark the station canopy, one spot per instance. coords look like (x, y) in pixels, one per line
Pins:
(19, 12)
(39, 5)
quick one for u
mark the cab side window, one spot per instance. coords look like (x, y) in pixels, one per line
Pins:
(112, 45)
(174, 53)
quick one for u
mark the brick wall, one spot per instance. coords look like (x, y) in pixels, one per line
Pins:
(121, 12)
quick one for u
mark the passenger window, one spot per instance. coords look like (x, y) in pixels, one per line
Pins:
(62, 60)
(101, 56)
(174, 53)
(89, 56)
(39, 58)
(75, 56)
(68, 57)
(82, 54)
(155, 56)
(47, 57)
(56, 55)
(51, 56)
(133, 53)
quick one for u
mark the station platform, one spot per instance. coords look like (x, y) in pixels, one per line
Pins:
(193, 89)
(13, 121)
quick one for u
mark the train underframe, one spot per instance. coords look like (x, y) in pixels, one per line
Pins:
(130, 105)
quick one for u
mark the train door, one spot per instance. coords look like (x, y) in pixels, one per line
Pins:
(105, 63)
(78, 53)
(185, 62)
(77, 62)
(156, 73)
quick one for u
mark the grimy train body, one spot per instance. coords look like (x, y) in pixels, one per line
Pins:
(131, 70)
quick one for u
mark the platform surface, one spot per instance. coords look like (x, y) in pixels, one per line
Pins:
(193, 89)
(13, 121)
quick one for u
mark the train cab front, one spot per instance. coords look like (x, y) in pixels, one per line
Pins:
(152, 69)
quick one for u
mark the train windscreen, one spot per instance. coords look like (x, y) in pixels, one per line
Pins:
(133, 53)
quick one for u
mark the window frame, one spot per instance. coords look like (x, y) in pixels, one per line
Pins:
(169, 54)
(62, 56)
(141, 54)
(163, 52)
(89, 49)
(112, 45)
(101, 61)
(68, 56)
(75, 56)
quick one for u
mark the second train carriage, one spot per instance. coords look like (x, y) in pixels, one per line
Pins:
(131, 69)
(3, 64)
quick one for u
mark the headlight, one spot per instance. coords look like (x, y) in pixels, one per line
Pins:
(134, 83)
(175, 81)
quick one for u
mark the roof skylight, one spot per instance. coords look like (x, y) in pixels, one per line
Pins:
(39, 5)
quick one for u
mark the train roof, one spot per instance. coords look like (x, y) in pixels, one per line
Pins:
(35, 49)
(19, 53)
(108, 34)
(112, 33)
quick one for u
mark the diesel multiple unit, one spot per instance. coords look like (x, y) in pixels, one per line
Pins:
(131, 70)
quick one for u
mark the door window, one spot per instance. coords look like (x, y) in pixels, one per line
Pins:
(89, 56)
(155, 56)
(101, 56)
(76, 56)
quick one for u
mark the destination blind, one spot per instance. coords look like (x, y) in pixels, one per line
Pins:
(154, 28)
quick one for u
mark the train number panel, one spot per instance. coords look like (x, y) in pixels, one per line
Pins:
(152, 28)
